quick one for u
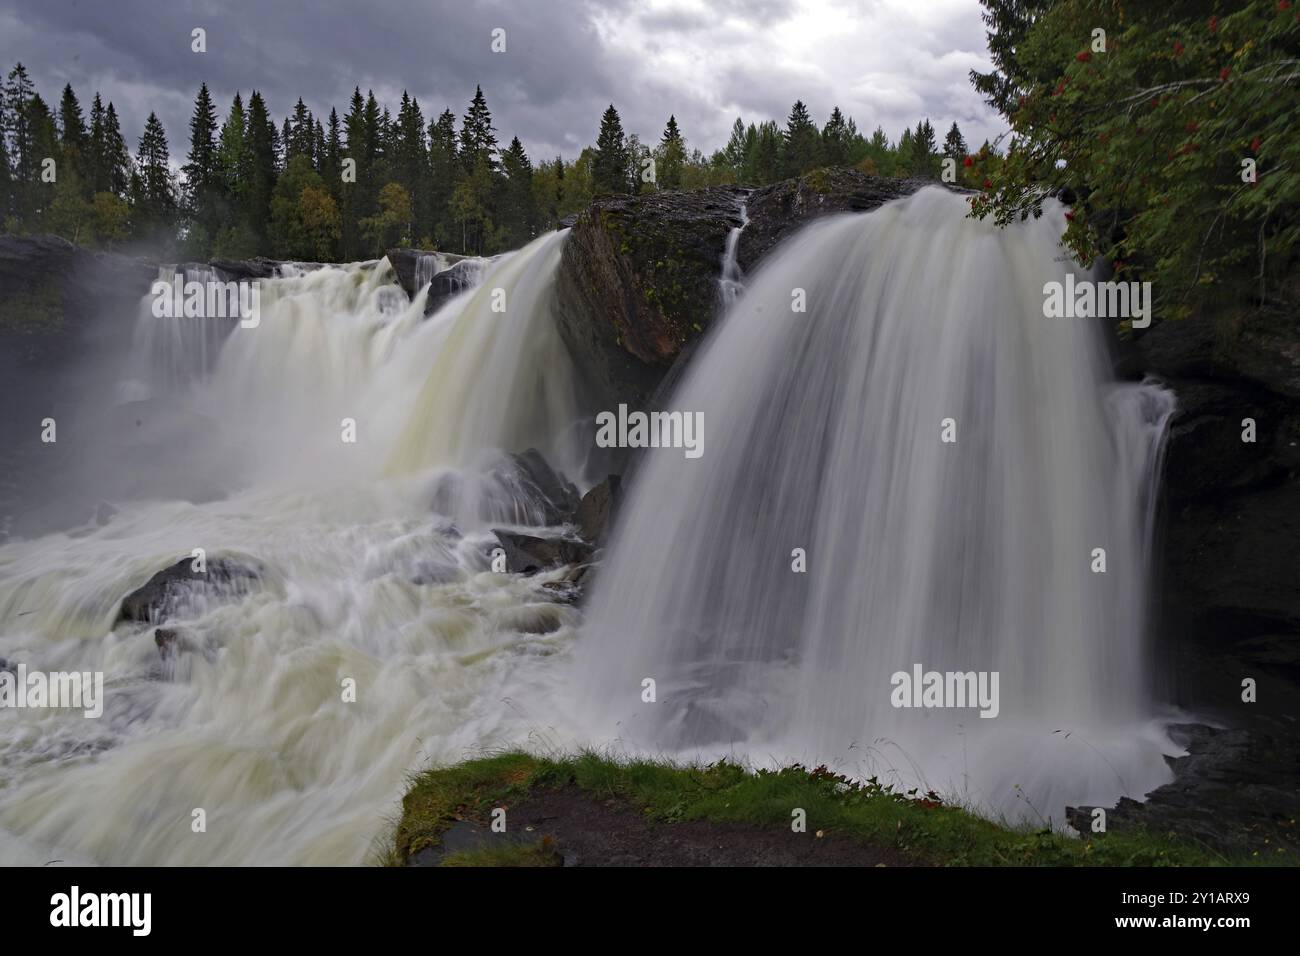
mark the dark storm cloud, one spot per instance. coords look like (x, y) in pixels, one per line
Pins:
(565, 60)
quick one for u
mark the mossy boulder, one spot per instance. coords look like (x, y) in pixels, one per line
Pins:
(637, 282)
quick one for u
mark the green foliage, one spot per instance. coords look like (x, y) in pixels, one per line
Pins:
(1153, 137)
(305, 220)
(244, 188)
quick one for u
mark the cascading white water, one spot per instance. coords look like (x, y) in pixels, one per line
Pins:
(427, 266)
(173, 351)
(363, 579)
(825, 433)
(730, 284)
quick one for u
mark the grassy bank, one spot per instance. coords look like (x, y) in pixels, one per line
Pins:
(921, 827)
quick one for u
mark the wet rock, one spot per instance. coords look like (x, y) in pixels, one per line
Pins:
(450, 283)
(596, 510)
(551, 493)
(1236, 790)
(637, 281)
(526, 554)
(406, 266)
(573, 586)
(172, 641)
(162, 594)
(236, 270)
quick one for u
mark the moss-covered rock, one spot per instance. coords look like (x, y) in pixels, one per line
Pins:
(637, 282)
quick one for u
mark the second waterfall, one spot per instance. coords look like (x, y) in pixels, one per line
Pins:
(946, 463)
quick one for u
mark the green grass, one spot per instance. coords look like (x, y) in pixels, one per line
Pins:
(922, 827)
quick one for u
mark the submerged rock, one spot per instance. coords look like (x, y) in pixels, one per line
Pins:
(543, 486)
(162, 594)
(596, 510)
(526, 554)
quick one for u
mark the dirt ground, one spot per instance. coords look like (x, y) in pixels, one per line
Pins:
(588, 831)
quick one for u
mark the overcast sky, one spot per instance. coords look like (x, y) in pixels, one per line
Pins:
(884, 62)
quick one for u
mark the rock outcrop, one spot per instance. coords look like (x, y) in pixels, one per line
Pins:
(638, 279)
(169, 589)
(527, 554)
(406, 266)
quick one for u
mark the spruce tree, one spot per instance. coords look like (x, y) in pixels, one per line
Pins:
(203, 174)
(519, 213)
(96, 162)
(353, 193)
(154, 190)
(72, 125)
(255, 201)
(477, 137)
(735, 148)
(117, 158)
(802, 142)
(18, 93)
(410, 162)
(443, 168)
(671, 156)
(610, 165)
(954, 145)
(836, 139)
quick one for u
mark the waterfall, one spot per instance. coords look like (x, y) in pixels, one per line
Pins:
(427, 266)
(367, 575)
(502, 377)
(170, 352)
(730, 284)
(826, 439)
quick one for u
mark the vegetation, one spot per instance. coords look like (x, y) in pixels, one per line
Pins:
(920, 825)
(1170, 127)
(354, 185)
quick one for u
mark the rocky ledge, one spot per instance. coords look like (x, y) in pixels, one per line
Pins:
(638, 279)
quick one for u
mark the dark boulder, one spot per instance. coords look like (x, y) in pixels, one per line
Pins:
(236, 270)
(410, 264)
(596, 510)
(526, 554)
(637, 281)
(172, 587)
(544, 489)
(450, 283)
(1234, 791)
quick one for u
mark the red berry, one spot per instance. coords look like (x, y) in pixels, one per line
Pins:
(968, 161)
